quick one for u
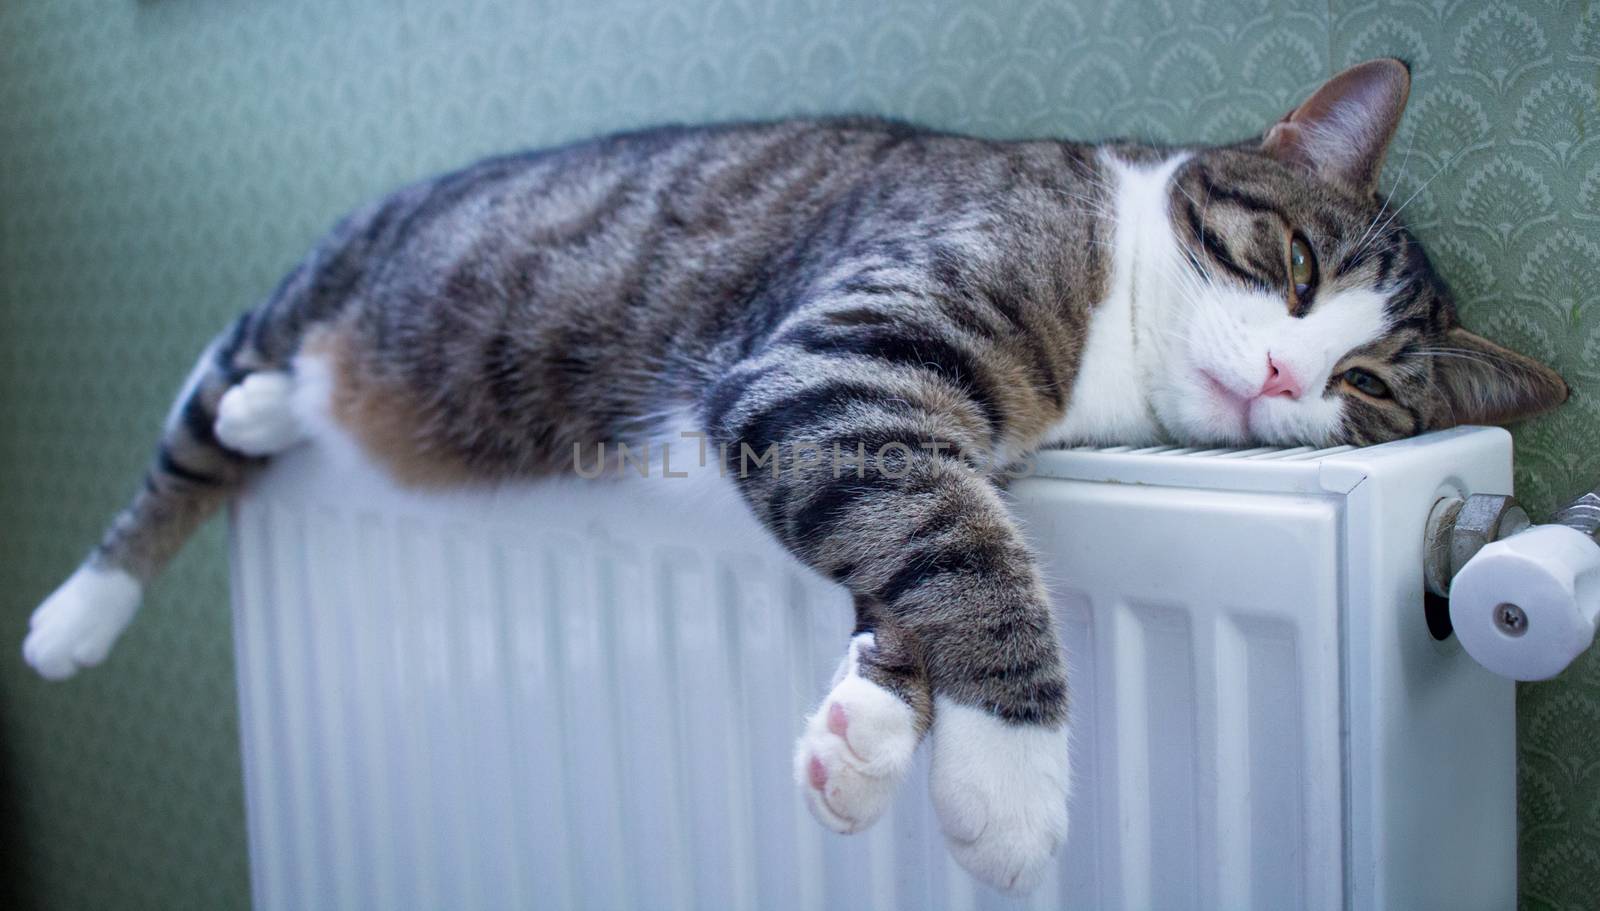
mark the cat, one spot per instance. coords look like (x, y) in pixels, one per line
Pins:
(936, 306)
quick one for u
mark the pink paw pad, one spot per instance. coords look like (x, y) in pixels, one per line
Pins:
(848, 785)
(817, 773)
(837, 722)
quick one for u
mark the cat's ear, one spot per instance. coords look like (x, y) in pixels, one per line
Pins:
(1484, 383)
(1343, 130)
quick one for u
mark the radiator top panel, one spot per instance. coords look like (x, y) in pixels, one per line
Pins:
(1300, 469)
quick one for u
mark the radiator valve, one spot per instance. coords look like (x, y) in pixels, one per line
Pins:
(1524, 598)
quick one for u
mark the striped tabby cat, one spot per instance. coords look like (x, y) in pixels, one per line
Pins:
(920, 310)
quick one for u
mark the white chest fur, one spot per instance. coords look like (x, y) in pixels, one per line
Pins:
(1109, 402)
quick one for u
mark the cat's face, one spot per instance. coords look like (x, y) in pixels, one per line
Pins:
(1302, 310)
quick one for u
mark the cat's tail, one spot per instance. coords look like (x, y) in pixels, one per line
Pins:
(233, 411)
(236, 409)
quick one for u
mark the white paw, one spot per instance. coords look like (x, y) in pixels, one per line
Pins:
(1001, 793)
(257, 416)
(855, 749)
(75, 627)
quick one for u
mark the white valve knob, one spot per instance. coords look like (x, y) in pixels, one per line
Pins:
(1527, 605)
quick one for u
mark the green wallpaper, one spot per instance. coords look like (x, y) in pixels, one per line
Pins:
(163, 161)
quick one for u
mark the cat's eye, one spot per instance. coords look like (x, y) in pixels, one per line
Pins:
(1302, 266)
(1366, 383)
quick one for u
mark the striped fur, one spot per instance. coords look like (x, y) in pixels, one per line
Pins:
(864, 286)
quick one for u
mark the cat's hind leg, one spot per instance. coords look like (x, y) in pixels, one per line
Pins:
(76, 626)
(234, 409)
(256, 416)
(858, 744)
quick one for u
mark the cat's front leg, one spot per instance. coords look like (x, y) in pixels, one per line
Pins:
(964, 622)
(1001, 774)
(1000, 787)
(1001, 792)
(858, 743)
(874, 484)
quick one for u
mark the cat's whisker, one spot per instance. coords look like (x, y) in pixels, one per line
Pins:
(1404, 164)
(1194, 290)
(1096, 202)
(1096, 206)
(1204, 275)
(1204, 210)
(1396, 213)
(1466, 355)
(1187, 283)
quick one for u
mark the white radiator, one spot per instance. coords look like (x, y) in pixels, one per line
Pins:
(566, 696)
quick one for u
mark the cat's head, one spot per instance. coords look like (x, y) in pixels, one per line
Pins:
(1304, 311)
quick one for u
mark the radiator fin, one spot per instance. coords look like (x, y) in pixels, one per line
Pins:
(1259, 453)
(1157, 754)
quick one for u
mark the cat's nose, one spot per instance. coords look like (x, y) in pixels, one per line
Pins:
(1280, 381)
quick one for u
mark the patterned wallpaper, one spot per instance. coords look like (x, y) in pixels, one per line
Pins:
(162, 161)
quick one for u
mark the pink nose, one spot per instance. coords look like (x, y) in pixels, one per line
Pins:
(1280, 380)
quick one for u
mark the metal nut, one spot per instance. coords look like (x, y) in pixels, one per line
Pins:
(1436, 569)
(1483, 518)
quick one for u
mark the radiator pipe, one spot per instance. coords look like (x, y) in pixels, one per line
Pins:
(1582, 514)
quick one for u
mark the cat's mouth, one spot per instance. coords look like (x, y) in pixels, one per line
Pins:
(1229, 403)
